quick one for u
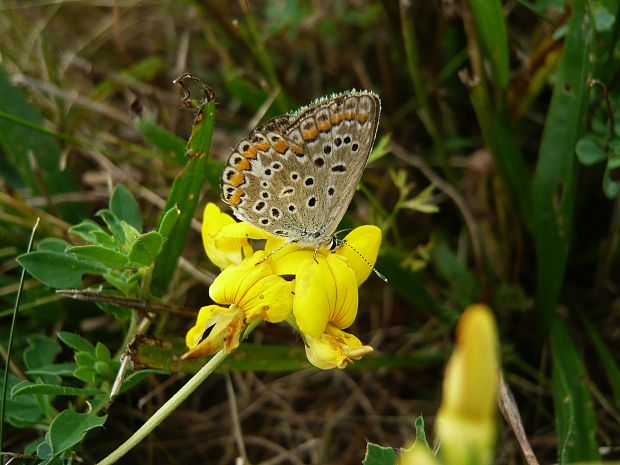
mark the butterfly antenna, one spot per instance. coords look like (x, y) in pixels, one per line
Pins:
(377, 272)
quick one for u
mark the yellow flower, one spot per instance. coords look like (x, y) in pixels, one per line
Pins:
(418, 454)
(466, 423)
(252, 291)
(326, 297)
(226, 241)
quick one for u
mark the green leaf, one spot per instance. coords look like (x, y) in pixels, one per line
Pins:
(34, 389)
(589, 151)
(612, 370)
(58, 270)
(420, 434)
(120, 313)
(102, 353)
(69, 428)
(125, 207)
(85, 359)
(146, 248)
(379, 455)
(22, 412)
(168, 221)
(490, 23)
(126, 283)
(56, 369)
(76, 342)
(162, 138)
(92, 232)
(114, 225)
(185, 194)
(574, 408)
(555, 179)
(107, 257)
(86, 374)
(41, 351)
(53, 244)
(611, 178)
(134, 378)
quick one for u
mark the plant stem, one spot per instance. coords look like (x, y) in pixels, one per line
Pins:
(5, 386)
(166, 409)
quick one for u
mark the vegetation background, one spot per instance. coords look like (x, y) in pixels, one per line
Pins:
(495, 179)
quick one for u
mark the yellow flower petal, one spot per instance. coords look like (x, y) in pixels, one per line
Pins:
(228, 324)
(325, 291)
(255, 289)
(466, 419)
(366, 240)
(334, 349)
(417, 455)
(222, 251)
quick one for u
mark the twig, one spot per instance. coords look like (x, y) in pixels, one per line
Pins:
(508, 407)
(136, 304)
(236, 423)
(451, 192)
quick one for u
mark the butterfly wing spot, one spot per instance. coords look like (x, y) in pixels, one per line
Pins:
(339, 168)
(265, 221)
(235, 199)
(292, 208)
(286, 192)
(268, 172)
(331, 191)
(264, 184)
(319, 162)
(327, 149)
(265, 195)
(323, 121)
(338, 141)
(347, 139)
(354, 147)
(258, 206)
(248, 150)
(309, 181)
(309, 131)
(294, 176)
(276, 166)
(237, 179)
(275, 213)
(311, 202)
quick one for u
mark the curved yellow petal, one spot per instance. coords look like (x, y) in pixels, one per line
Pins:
(255, 289)
(222, 251)
(315, 291)
(271, 298)
(325, 291)
(466, 421)
(344, 310)
(227, 327)
(334, 349)
(366, 240)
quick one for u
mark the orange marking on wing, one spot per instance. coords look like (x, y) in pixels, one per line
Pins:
(235, 199)
(262, 146)
(243, 165)
(237, 179)
(362, 117)
(310, 134)
(336, 118)
(297, 150)
(250, 153)
(349, 115)
(280, 146)
(324, 125)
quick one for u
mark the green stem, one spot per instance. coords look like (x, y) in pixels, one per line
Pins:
(170, 406)
(5, 386)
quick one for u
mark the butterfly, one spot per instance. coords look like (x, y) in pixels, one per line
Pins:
(296, 175)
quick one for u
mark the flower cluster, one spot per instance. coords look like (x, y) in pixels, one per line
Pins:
(314, 292)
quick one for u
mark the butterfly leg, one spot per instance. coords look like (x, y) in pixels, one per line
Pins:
(277, 249)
